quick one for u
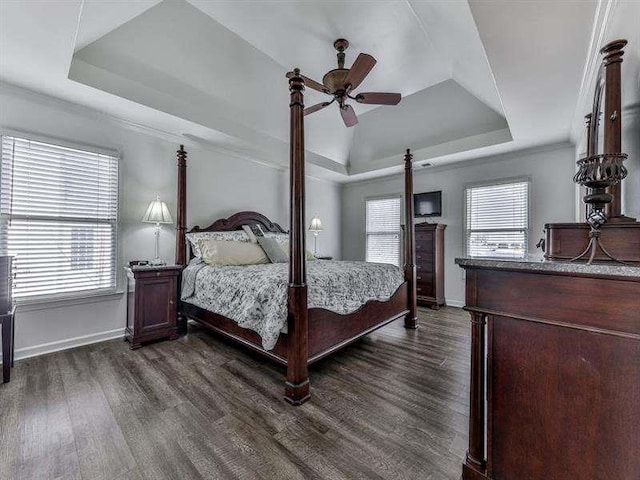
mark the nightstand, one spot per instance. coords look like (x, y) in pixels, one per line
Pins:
(152, 301)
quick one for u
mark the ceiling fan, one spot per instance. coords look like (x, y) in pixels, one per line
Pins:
(340, 82)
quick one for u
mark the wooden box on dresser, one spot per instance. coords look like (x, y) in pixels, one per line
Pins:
(152, 297)
(430, 264)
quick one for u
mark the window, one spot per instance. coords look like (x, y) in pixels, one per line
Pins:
(383, 230)
(498, 220)
(58, 213)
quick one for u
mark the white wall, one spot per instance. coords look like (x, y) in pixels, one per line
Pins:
(552, 200)
(631, 146)
(218, 185)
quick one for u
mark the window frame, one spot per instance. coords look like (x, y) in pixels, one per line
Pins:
(37, 302)
(497, 182)
(392, 196)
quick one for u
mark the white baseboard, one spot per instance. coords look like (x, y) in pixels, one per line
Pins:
(455, 303)
(44, 348)
(51, 347)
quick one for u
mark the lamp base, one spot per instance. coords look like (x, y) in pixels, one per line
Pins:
(156, 262)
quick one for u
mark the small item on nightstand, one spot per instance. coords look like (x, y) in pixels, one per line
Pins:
(152, 298)
(323, 258)
(138, 263)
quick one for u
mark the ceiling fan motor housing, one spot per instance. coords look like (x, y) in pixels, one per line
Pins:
(334, 79)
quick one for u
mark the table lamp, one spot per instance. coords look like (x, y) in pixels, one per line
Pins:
(315, 228)
(157, 213)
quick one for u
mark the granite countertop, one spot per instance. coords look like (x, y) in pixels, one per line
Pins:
(536, 263)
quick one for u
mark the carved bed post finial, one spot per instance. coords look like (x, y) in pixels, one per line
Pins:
(297, 387)
(612, 62)
(181, 216)
(411, 320)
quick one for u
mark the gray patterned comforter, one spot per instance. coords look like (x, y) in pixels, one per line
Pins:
(255, 296)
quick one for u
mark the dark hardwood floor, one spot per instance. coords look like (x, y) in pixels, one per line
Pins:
(392, 406)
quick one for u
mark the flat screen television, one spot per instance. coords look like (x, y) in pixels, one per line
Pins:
(428, 204)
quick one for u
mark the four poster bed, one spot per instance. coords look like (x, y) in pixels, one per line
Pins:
(311, 333)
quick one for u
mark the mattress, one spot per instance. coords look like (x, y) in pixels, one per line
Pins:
(255, 296)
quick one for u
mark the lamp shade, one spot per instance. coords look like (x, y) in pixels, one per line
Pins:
(316, 225)
(158, 212)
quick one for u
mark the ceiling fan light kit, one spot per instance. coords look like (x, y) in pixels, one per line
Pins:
(340, 82)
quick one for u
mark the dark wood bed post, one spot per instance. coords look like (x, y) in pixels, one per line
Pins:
(297, 387)
(411, 320)
(181, 225)
(181, 216)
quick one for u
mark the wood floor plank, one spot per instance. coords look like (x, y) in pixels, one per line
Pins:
(45, 437)
(102, 450)
(392, 406)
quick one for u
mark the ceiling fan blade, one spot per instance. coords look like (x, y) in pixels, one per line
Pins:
(359, 70)
(311, 83)
(377, 98)
(348, 115)
(316, 107)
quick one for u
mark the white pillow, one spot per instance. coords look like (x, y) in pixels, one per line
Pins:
(234, 236)
(221, 252)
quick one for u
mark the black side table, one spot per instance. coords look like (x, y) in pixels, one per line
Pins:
(7, 321)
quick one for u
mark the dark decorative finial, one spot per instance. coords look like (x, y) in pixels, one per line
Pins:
(613, 52)
(296, 82)
(182, 156)
(408, 159)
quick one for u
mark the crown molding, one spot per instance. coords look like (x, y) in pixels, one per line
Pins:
(100, 116)
(474, 162)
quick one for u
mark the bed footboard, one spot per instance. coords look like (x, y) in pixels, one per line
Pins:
(329, 331)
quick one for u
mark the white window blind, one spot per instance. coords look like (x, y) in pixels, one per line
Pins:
(498, 220)
(383, 230)
(58, 209)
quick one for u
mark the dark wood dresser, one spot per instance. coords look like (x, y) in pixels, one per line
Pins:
(430, 264)
(152, 298)
(561, 369)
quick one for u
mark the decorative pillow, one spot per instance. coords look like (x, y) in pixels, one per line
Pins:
(279, 237)
(234, 236)
(221, 252)
(273, 249)
(250, 234)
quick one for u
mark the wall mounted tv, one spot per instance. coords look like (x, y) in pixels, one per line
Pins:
(428, 204)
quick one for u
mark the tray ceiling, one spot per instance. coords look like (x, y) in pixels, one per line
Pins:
(214, 72)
